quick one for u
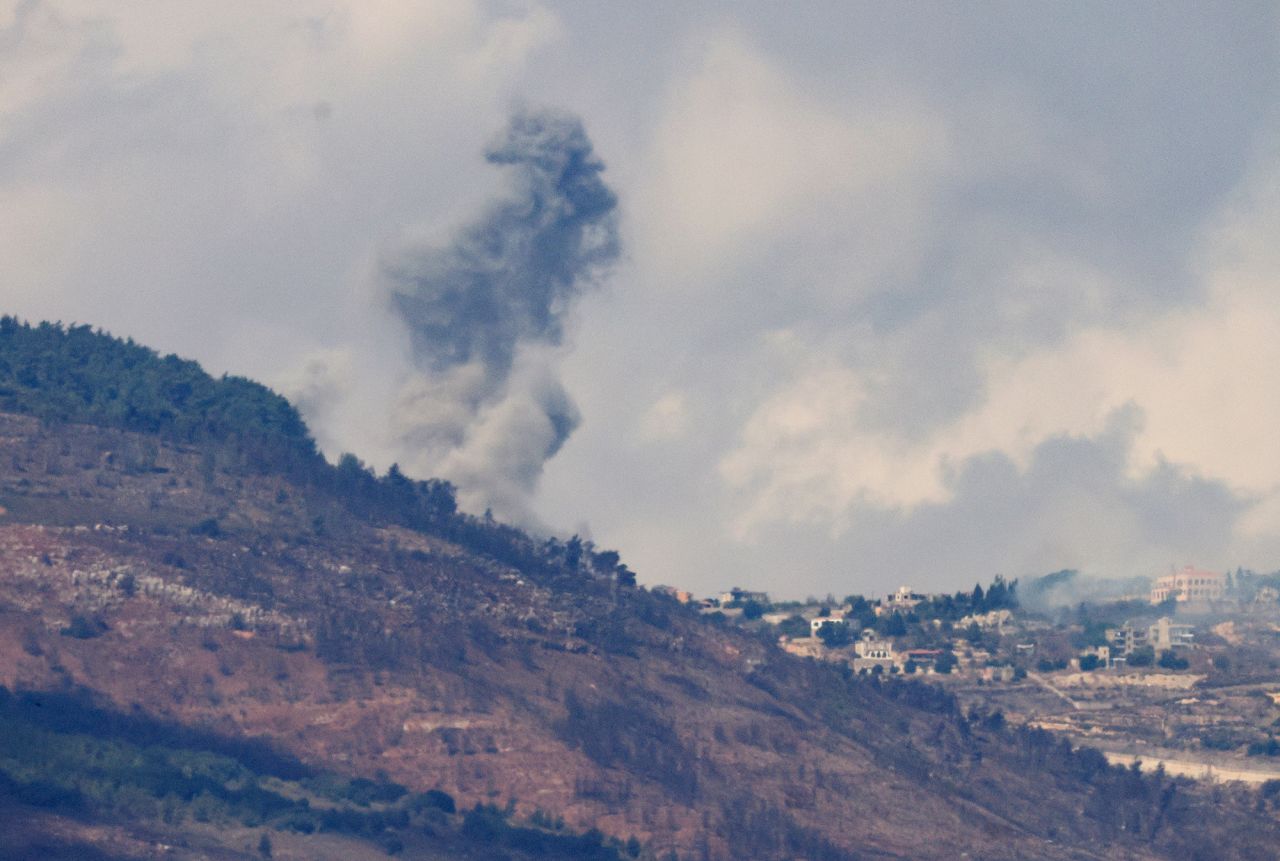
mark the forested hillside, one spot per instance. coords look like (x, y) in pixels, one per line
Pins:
(77, 374)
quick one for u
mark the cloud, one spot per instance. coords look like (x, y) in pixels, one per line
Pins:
(1193, 373)
(881, 268)
(1075, 503)
(743, 153)
(499, 291)
(1122, 446)
(667, 418)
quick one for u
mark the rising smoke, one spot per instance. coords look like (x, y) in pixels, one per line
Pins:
(486, 311)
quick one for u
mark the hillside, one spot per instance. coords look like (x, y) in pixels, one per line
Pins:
(180, 565)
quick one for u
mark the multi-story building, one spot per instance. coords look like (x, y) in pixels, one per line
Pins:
(1126, 638)
(1167, 634)
(1189, 585)
(1163, 635)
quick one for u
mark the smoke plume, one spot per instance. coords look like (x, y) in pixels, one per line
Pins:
(486, 311)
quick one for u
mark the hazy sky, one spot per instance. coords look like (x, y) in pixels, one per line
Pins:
(906, 293)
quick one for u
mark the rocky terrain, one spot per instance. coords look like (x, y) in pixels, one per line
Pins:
(180, 584)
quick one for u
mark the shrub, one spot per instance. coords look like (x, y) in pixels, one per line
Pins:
(1267, 747)
(439, 800)
(1143, 657)
(84, 628)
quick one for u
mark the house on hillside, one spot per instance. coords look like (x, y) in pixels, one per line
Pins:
(903, 601)
(872, 646)
(1162, 636)
(1128, 637)
(682, 595)
(1094, 657)
(835, 617)
(923, 660)
(996, 620)
(742, 596)
(871, 652)
(1190, 585)
(1167, 634)
(997, 674)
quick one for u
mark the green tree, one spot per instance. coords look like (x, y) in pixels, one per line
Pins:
(1143, 656)
(892, 626)
(860, 609)
(835, 634)
(794, 626)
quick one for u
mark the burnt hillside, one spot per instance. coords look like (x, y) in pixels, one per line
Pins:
(360, 626)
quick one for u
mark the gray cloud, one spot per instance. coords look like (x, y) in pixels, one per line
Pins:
(1074, 505)
(907, 193)
(498, 295)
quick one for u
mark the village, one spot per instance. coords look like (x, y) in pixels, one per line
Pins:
(1183, 669)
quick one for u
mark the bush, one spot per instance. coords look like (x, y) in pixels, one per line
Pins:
(1218, 740)
(794, 626)
(1143, 657)
(208, 527)
(835, 634)
(439, 800)
(84, 628)
(1268, 747)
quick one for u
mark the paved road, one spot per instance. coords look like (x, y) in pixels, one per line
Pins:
(1195, 769)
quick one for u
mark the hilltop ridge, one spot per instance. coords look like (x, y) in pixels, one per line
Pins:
(155, 565)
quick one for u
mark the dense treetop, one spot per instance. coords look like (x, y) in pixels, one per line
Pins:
(79, 374)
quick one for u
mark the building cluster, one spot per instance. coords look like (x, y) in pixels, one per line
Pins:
(1158, 638)
(991, 644)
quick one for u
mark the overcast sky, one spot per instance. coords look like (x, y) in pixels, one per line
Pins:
(901, 293)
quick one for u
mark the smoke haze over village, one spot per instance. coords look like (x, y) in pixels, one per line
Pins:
(802, 298)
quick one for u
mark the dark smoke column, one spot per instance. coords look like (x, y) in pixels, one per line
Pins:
(485, 312)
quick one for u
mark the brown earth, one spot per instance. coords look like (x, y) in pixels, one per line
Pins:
(371, 649)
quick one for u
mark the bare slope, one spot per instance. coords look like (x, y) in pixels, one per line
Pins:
(174, 546)
(242, 603)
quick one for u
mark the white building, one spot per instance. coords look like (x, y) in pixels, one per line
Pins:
(1167, 634)
(830, 619)
(1189, 585)
(1162, 636)
(903, 601)
(873, 648)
